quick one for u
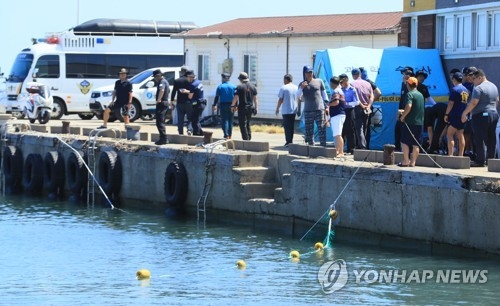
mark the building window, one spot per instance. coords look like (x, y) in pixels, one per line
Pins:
(463, 32)
(469, 31)
(414, 32)
(495, 30)
(481, 31)
(250, 67)
(448, 33)
(203, 67)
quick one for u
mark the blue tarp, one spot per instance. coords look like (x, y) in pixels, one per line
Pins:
(384, 68)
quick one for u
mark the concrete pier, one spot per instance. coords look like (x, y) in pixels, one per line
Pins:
(262, 182)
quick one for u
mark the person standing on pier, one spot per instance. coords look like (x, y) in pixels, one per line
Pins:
(412, 121)
(246, 101)
(224, 95)
(182, 106)
(312, 90)
(483, 109)
(287, 101)
(121, 100)
(162, 105)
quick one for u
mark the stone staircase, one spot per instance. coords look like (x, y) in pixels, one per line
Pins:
(257, 180)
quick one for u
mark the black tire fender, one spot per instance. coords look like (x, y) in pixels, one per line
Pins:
(53, 171)
(110, 172)
(33, 174)
(12, 166)
(76, 173)
(175, 184)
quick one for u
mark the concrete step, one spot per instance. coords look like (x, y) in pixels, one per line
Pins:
(257, 190)
(250, 160)
(254, 174)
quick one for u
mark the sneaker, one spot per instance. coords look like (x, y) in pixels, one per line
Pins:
(161, 142)
(474, 164)
(287, 144)
(189, 133)
(102, 127)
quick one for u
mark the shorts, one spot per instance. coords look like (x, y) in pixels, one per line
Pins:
(430, 117)
(456, 122)
(336, 124)
(119, 109)
(412, 136)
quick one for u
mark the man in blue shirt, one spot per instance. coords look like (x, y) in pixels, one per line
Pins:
(224, 95)
(352, 100)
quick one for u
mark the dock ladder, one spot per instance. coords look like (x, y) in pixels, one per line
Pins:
(91, 148)
(207, 186)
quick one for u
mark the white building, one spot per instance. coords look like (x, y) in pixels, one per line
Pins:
(268, 48)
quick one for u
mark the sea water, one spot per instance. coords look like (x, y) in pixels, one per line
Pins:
(60, 253)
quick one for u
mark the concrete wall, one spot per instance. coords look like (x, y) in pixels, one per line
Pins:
(274, 189)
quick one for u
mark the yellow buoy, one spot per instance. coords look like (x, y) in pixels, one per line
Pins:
(319, 246)
(241, 264)
(295, 254)
(334, 214)
(143, 274)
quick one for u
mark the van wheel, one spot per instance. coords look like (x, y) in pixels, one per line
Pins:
(148, 117)
(86, 116)
(134, 112)
(57, 109)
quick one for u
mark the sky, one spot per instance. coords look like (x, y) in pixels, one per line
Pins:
(22, 21)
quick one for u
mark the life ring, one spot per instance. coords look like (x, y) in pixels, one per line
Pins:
(33, 174)
(53, 172)
(76, 173)
(110, 172)
(175, 184)
(12, 165)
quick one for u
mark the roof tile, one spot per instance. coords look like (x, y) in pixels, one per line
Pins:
(314, 24)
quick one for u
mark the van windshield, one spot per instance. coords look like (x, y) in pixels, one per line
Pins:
(141, 76)
(21, 67)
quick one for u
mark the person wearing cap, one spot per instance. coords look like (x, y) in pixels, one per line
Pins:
(468, 133)
(246, 101)
(287, 101)
(406, 72)
(377, 93)
(121, 99)
(457, 103)
(421, 76)
(352, 100)
(412, 119)
(337, 114)
(224, 95)
(197, 101)
(363, 109)
(312, 90)
(182, 107)
(484, 117)
(162, 105)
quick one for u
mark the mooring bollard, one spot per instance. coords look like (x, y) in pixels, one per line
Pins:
(133, 132)
(207, 137)
(65, 127)
(389, 154)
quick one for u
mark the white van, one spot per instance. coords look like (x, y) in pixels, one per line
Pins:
(144, 94)
(88, 56)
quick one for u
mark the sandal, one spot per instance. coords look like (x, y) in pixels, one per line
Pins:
(401, 165)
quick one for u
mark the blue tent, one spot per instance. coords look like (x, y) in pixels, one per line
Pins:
(384, 68)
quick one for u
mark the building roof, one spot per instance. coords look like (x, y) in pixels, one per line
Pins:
(317, 25)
